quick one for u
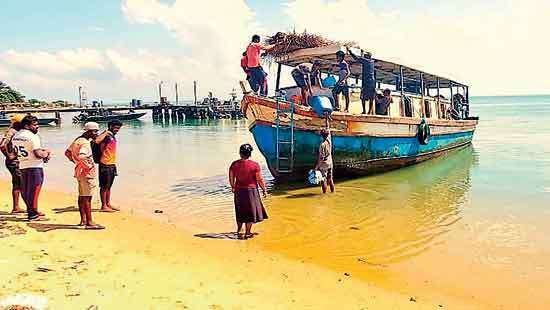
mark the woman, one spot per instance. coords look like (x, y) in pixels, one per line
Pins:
(244, 177)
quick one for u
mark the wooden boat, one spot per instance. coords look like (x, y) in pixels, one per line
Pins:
(106, 115)
(421, 125)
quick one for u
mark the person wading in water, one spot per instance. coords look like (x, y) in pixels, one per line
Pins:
(245, 177)
(324, 161)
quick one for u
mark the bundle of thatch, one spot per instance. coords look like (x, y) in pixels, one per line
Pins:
(289, 42)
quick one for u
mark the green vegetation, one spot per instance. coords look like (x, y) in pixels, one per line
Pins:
(9, 95)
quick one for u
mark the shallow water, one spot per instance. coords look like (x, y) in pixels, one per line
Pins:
(472, 224)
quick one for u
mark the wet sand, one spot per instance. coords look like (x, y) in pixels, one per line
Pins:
(139, 263)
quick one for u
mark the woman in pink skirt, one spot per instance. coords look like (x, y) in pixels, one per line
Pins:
(245, 177)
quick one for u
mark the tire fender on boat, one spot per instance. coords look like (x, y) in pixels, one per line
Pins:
(423, 133)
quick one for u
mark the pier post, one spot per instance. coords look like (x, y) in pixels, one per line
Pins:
(57, 118)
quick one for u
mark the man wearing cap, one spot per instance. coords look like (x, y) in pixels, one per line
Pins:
(12, 163)
(85, 172)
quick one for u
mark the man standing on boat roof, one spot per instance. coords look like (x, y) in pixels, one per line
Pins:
(301, 75)
(257, 73)
(342, 84)
(368, 82)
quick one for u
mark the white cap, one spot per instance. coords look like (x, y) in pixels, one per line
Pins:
(91, 126)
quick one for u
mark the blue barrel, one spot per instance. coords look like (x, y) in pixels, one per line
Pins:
(321, 105)
(329, 81)
(138, 103)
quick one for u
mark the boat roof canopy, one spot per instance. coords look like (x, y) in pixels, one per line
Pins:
(387, 72)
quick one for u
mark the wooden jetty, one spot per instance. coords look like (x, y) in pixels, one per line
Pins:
(159, 112)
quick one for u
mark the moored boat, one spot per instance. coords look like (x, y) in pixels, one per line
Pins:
(105, 115)
(5, 121)
(421, 123)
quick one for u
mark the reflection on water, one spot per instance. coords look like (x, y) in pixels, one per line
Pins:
(380, 219)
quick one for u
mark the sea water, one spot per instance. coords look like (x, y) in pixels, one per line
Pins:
(472, 224)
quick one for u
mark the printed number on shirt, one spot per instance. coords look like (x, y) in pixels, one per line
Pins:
(21, 151)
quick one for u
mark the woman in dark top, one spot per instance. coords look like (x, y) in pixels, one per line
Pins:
(245, 177)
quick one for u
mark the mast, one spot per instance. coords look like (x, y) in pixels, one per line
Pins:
(177, 99)
(401, 82)
(195, 91)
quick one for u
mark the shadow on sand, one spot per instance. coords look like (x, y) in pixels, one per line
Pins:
(45, 227)
(226, 236)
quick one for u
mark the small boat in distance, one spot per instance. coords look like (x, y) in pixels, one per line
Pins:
(429, 116)
(5, 120)
(103, 115)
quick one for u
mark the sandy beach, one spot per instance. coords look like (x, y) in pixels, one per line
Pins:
(138, 263)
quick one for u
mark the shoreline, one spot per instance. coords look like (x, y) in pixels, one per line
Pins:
(137, 262)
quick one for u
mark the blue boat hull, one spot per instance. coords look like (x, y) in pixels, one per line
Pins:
(355, 155)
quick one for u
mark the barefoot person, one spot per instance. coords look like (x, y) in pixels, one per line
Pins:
(324, 161)
(107, 164)
(31, 156)
(80, 153)
(342, 84)
(245, 177)
(12, 163)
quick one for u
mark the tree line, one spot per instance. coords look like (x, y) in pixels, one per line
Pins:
(9, 95)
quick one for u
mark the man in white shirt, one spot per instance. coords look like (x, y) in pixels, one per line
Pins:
(85, 172)
(32, 157)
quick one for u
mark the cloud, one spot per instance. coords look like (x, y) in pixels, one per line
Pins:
(113, 74)
(213, 34)
(495, 47)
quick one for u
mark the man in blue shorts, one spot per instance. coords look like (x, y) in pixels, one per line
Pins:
(342, 84)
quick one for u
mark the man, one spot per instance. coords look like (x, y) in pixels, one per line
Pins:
(300, 74)
(12, 163)
(342, 84)
(107, 164)
(384, 102)
(80, 153)
(324, 161)
(368, 83)
(315, 75)
(257, 73)
(31, 156)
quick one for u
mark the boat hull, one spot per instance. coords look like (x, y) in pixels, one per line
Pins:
(41, 121)
(120, 117)
(361, 144)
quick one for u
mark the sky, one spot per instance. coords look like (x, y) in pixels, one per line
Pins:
(122, 49)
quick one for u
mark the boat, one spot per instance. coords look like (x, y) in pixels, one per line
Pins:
(422, 123)
(5, 121)
(103, 115)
